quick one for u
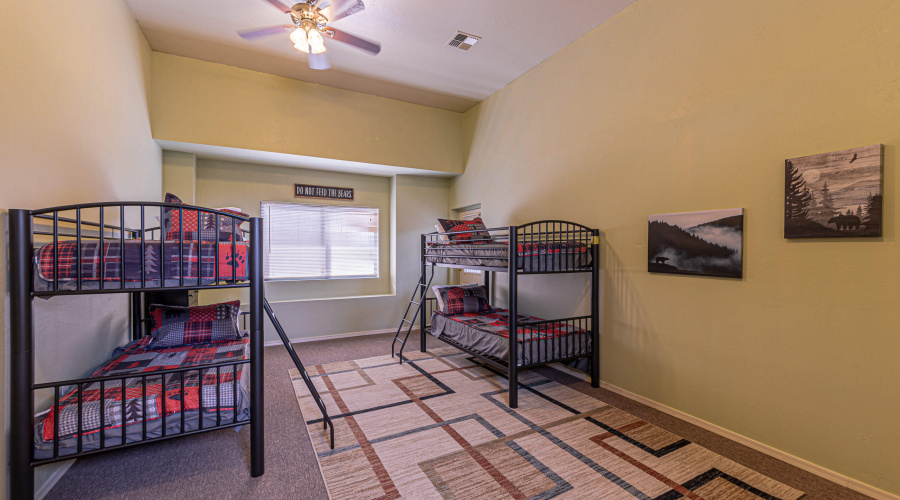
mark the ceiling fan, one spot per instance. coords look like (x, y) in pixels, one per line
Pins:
(310, 22)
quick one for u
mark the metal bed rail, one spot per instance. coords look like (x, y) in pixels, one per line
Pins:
(547, 247)
(542, 247)
(544, 341)
(64, 229)
(296, 359)
(118, 386)
(90, 222)
(554, 340)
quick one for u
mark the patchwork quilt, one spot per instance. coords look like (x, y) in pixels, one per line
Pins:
(162, 398)
(159, 259)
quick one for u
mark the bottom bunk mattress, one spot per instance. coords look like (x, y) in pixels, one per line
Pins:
(489, 334)
(161, 404)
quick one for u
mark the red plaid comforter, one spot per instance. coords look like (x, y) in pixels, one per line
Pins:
(498, 324)
(137, 359)
(527, 249)
(550, 247)
(157, 257)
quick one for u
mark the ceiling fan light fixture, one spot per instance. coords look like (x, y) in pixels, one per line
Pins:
(310, 20)
(316, 42)
(301, 43)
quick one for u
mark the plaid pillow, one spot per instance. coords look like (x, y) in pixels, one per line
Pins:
(225, 223)
(437, 292)
(176, 325)
(475, 227)
(196, 225)
(465, 300)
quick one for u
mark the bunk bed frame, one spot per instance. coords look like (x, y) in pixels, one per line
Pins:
(540, 239)
(25, 225)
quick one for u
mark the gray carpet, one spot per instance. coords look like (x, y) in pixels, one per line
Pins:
(215, 464)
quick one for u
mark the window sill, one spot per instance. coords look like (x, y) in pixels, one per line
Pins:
(285, 301)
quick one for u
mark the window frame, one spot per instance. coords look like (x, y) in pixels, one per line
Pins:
(266, 238)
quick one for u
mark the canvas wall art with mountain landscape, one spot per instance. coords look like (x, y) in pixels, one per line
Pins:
(706, 243)
(834, 194)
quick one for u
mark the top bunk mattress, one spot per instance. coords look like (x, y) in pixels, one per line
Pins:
(196, 263)
(530, 257)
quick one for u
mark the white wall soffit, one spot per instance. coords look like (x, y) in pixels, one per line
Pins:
(204, 151)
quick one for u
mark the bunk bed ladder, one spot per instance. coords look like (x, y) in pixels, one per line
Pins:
(420, 290)
(309, 385)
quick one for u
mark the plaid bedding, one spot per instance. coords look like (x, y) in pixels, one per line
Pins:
(136, 360)
(552, 247)
(530, 249)
(476, 234)
(531, 256)
(202, 253)
(176, 325)
(498, 324)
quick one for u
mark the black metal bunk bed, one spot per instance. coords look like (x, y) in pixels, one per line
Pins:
(541, 247)
(75, 250)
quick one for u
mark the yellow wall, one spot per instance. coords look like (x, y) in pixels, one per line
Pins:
(179, 176)
(212, 104)
(74, 128)
(694, 105)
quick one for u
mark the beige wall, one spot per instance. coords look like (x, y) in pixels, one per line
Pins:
(244, 185)
(206, 103)
(694, 105)
(179, 176)
(74, 128)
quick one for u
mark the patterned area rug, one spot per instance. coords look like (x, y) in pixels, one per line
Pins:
(439, 427)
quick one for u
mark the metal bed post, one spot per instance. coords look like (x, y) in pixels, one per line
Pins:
(595, 308)
(512, 258)
(422, 294)
(135, 314)
(257, 296)
(21, 356)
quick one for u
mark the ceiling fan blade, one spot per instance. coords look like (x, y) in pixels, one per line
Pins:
(341, 9)
(323, 5)
(252, 34)
(360, 43)
(280, 6)
(319, 61)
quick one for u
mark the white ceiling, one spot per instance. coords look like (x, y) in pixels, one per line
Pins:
(415, 63)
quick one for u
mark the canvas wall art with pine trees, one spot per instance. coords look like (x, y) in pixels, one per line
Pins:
(834, 194)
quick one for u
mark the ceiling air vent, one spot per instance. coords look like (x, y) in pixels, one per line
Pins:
(463, 41)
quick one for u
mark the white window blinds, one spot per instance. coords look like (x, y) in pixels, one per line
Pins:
(319, 241)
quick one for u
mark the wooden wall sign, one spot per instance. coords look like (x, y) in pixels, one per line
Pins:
(326, 192)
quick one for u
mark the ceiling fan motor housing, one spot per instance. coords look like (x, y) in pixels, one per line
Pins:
(307, 16)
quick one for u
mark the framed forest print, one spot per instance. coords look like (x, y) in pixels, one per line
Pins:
(706, 243)
(834, 194)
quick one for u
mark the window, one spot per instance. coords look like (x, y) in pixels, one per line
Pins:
(319, 241)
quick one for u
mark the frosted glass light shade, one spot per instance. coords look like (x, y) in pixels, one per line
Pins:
(298, 36)
(316, 42)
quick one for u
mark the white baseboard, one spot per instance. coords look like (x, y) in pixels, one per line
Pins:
(798, 462)
(52, 480)
(337, 336)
